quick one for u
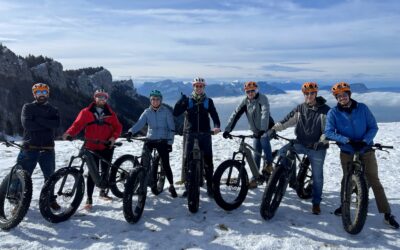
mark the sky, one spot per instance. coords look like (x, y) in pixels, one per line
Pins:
(277, 40)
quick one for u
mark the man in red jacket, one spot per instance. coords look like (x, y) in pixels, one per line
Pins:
(101, 125)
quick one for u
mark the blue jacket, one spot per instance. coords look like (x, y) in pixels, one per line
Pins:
(160, 124)
(358, 125)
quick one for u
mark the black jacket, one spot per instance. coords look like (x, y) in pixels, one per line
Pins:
(197, 116)
(39, 122)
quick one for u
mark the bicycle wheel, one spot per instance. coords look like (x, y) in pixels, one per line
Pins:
(66, 187)
(230, 185)
(158, 176)
(193, 186)
(355, 203)
(119, 174)
(274, 192)
(304, 180)
(135, 195)
(15, 205)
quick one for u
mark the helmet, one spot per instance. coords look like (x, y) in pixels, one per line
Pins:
(40, 86)
(100, 92)
(199, 80)
(156, 93)
(309, 87)
(250, 86)
(340, 87)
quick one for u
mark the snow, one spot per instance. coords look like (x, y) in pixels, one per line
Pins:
(167, 223)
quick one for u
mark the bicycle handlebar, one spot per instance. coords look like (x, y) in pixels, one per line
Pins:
(12, 144)
(242, 136)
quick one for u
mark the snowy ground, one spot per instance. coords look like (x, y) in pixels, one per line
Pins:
(167, 223)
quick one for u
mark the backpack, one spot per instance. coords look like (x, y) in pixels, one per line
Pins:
(205, 103)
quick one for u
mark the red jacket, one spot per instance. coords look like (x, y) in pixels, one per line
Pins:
(111, 127)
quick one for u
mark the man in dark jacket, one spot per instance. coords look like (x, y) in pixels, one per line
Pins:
(309, 119)
(199, 107)
(39, 120)
(354, 127)
(101, 125)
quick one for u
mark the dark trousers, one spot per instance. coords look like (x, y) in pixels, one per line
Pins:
(161, 147)
(107, 154)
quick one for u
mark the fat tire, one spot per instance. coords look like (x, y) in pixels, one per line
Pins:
(193, 186)
(48, 192)
(135, 186)
(23, 206)
(123, 175)
(159, 178)
(355, 227)
(244, 180)
(274, 192)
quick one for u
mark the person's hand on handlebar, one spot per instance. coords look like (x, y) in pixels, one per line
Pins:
(67, 137)
(216, 130)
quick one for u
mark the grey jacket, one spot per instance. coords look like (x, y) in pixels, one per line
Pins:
(257, 112)
(160, 124)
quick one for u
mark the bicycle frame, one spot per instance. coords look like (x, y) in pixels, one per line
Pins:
(246, 151)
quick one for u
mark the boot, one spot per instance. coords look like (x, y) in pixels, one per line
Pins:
(389, 219)
(172, 191)
(104, 195)
(89, 204)
(316, 209)
(252, 184)
(338, 211)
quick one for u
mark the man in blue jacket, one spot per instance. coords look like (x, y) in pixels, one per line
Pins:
(354, 127)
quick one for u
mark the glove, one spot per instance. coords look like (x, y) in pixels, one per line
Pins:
(67, 137)
(272, 134)
(183, 100)
(357, 145)
(169, 148)
(128, 136)
(319, 145)
(226, 135)
(258, 134)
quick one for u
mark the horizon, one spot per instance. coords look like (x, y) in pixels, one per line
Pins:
(274, 41)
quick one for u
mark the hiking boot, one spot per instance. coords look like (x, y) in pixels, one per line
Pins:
(338, 211)
(89, 204)
(252, 184)
(389, 219)
(316, 209)
(54, 205)
(104, 195)
(267, 171)
(185, 194)
(172, 191)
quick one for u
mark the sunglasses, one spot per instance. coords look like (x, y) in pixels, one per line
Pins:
(310, 93)
(343, 95)
(250, 91)
(102, 97)
(199, 86)
(154, 99)
(41, 92)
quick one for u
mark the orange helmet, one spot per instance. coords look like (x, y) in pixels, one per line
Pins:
(340, 87)
(41, 87)
(250, 86)
(199, 80)
(309, 87)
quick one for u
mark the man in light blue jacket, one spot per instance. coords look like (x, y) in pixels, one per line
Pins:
(160, 134)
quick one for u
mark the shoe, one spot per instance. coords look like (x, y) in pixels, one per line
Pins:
(252, 184)
(89, 204)
(389, 219)
(54, 205)
(210, 192)
(316, 209)
(267, 170)
(172, 191)
(103, 195)
(338, 211)
(185, 194)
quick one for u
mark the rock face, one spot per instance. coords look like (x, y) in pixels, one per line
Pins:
(70, 90)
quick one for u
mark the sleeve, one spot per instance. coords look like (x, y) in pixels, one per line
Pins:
(171, 127)
(372, 126)
(235, 116)
(264, 112)
(140, 123)
(213, 113)
(79, 123)
(290, 120)
(52, 121)
(330, 129)
(117, 126)
(27, 120)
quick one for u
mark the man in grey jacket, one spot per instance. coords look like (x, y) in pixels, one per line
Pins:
(309, 119)
(256, 107)
(160, 134)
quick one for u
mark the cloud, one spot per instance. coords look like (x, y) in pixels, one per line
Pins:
(276, 67)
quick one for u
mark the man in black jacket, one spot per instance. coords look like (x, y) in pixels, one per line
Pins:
(39, 119)
(199, 107)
